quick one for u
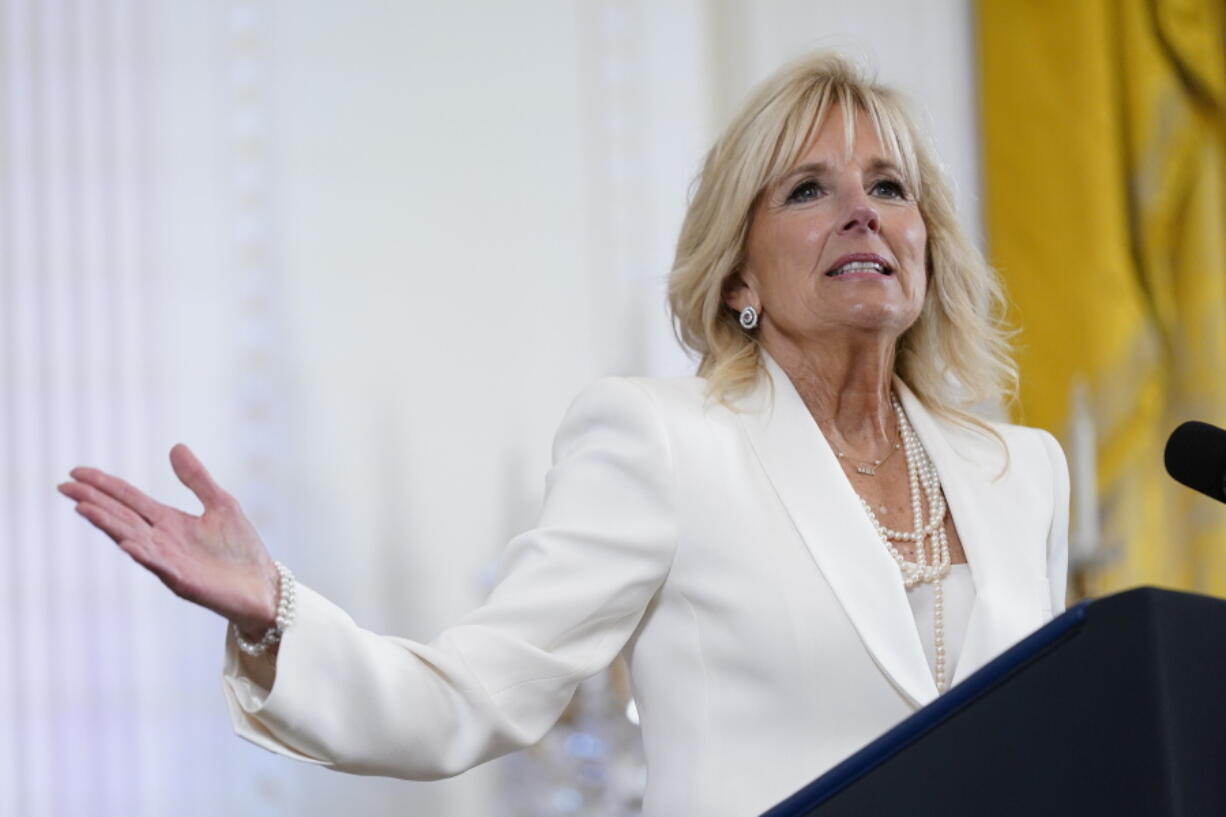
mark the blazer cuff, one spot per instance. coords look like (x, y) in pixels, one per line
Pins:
(251, 695)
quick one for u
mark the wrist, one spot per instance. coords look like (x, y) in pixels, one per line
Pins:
(265, 634)
(263, 615)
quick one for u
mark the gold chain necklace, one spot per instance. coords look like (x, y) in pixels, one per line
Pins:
(866, 467)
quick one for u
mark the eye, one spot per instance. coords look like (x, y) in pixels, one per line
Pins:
(889, 188)
(805, 191)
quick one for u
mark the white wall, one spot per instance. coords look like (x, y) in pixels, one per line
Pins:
(370, 250)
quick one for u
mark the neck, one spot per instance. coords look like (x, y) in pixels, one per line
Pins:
(845, 380)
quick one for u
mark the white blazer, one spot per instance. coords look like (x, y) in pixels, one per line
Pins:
(766, 627)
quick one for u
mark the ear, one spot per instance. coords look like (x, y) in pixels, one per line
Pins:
(738, 294)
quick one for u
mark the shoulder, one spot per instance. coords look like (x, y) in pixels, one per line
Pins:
(664, 396)
(628, 409)
(676, 415)
(1055, 458)
(1002, 448)
(1031, 450)
(1028, 439)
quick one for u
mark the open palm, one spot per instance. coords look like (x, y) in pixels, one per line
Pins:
(216, 560)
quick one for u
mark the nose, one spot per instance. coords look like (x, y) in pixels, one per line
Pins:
(862, 218)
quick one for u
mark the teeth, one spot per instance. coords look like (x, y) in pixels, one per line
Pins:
(854, 266)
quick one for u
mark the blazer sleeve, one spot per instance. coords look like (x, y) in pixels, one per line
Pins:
(1057, 535)
(568, 596)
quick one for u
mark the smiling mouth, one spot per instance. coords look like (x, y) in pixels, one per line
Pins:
(875, 267)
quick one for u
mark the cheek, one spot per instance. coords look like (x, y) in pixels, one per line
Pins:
(915, 245)
(921, 287)
(916, 239)
(798, 251)
(914, 249)
(782, 256)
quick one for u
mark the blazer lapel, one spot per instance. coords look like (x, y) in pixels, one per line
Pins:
(969, 465)
(826, 511)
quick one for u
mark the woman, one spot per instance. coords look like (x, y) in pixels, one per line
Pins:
(795, 549)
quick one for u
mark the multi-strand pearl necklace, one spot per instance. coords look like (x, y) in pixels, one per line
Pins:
(921, 474)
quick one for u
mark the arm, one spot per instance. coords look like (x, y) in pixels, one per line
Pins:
(569, 594)
(1057, 536)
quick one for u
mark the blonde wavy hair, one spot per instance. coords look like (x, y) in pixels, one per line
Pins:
(955, 356)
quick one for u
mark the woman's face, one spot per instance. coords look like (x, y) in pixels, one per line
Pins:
(837, 245)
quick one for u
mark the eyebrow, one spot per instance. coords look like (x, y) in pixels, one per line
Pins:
(877, 165)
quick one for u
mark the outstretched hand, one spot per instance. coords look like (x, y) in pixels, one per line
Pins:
(215, 560)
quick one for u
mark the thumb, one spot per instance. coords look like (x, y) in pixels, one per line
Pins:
(192, 473)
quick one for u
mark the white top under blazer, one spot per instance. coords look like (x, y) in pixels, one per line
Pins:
(766, 627)
(958, 590)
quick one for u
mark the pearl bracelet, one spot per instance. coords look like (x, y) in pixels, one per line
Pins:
(285, 616)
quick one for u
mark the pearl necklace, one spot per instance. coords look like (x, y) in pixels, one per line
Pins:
(921, 473)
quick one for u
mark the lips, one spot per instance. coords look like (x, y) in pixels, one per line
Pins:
(861, 262)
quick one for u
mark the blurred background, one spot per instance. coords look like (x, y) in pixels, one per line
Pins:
(361, 255)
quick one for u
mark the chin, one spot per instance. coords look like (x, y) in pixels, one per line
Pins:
(884, 316)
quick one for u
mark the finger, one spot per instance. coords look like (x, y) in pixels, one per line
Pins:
(106, 522)
(127, 494)
(137, 551)
(82, 492)
(192, 473)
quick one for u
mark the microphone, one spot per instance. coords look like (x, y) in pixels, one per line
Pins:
(1196, 457)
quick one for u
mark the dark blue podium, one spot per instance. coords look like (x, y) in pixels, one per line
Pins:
(1118, 706)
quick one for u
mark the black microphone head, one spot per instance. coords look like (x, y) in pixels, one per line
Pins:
(1196, 457)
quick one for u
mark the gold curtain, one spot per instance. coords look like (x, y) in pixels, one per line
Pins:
(1104, 127)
